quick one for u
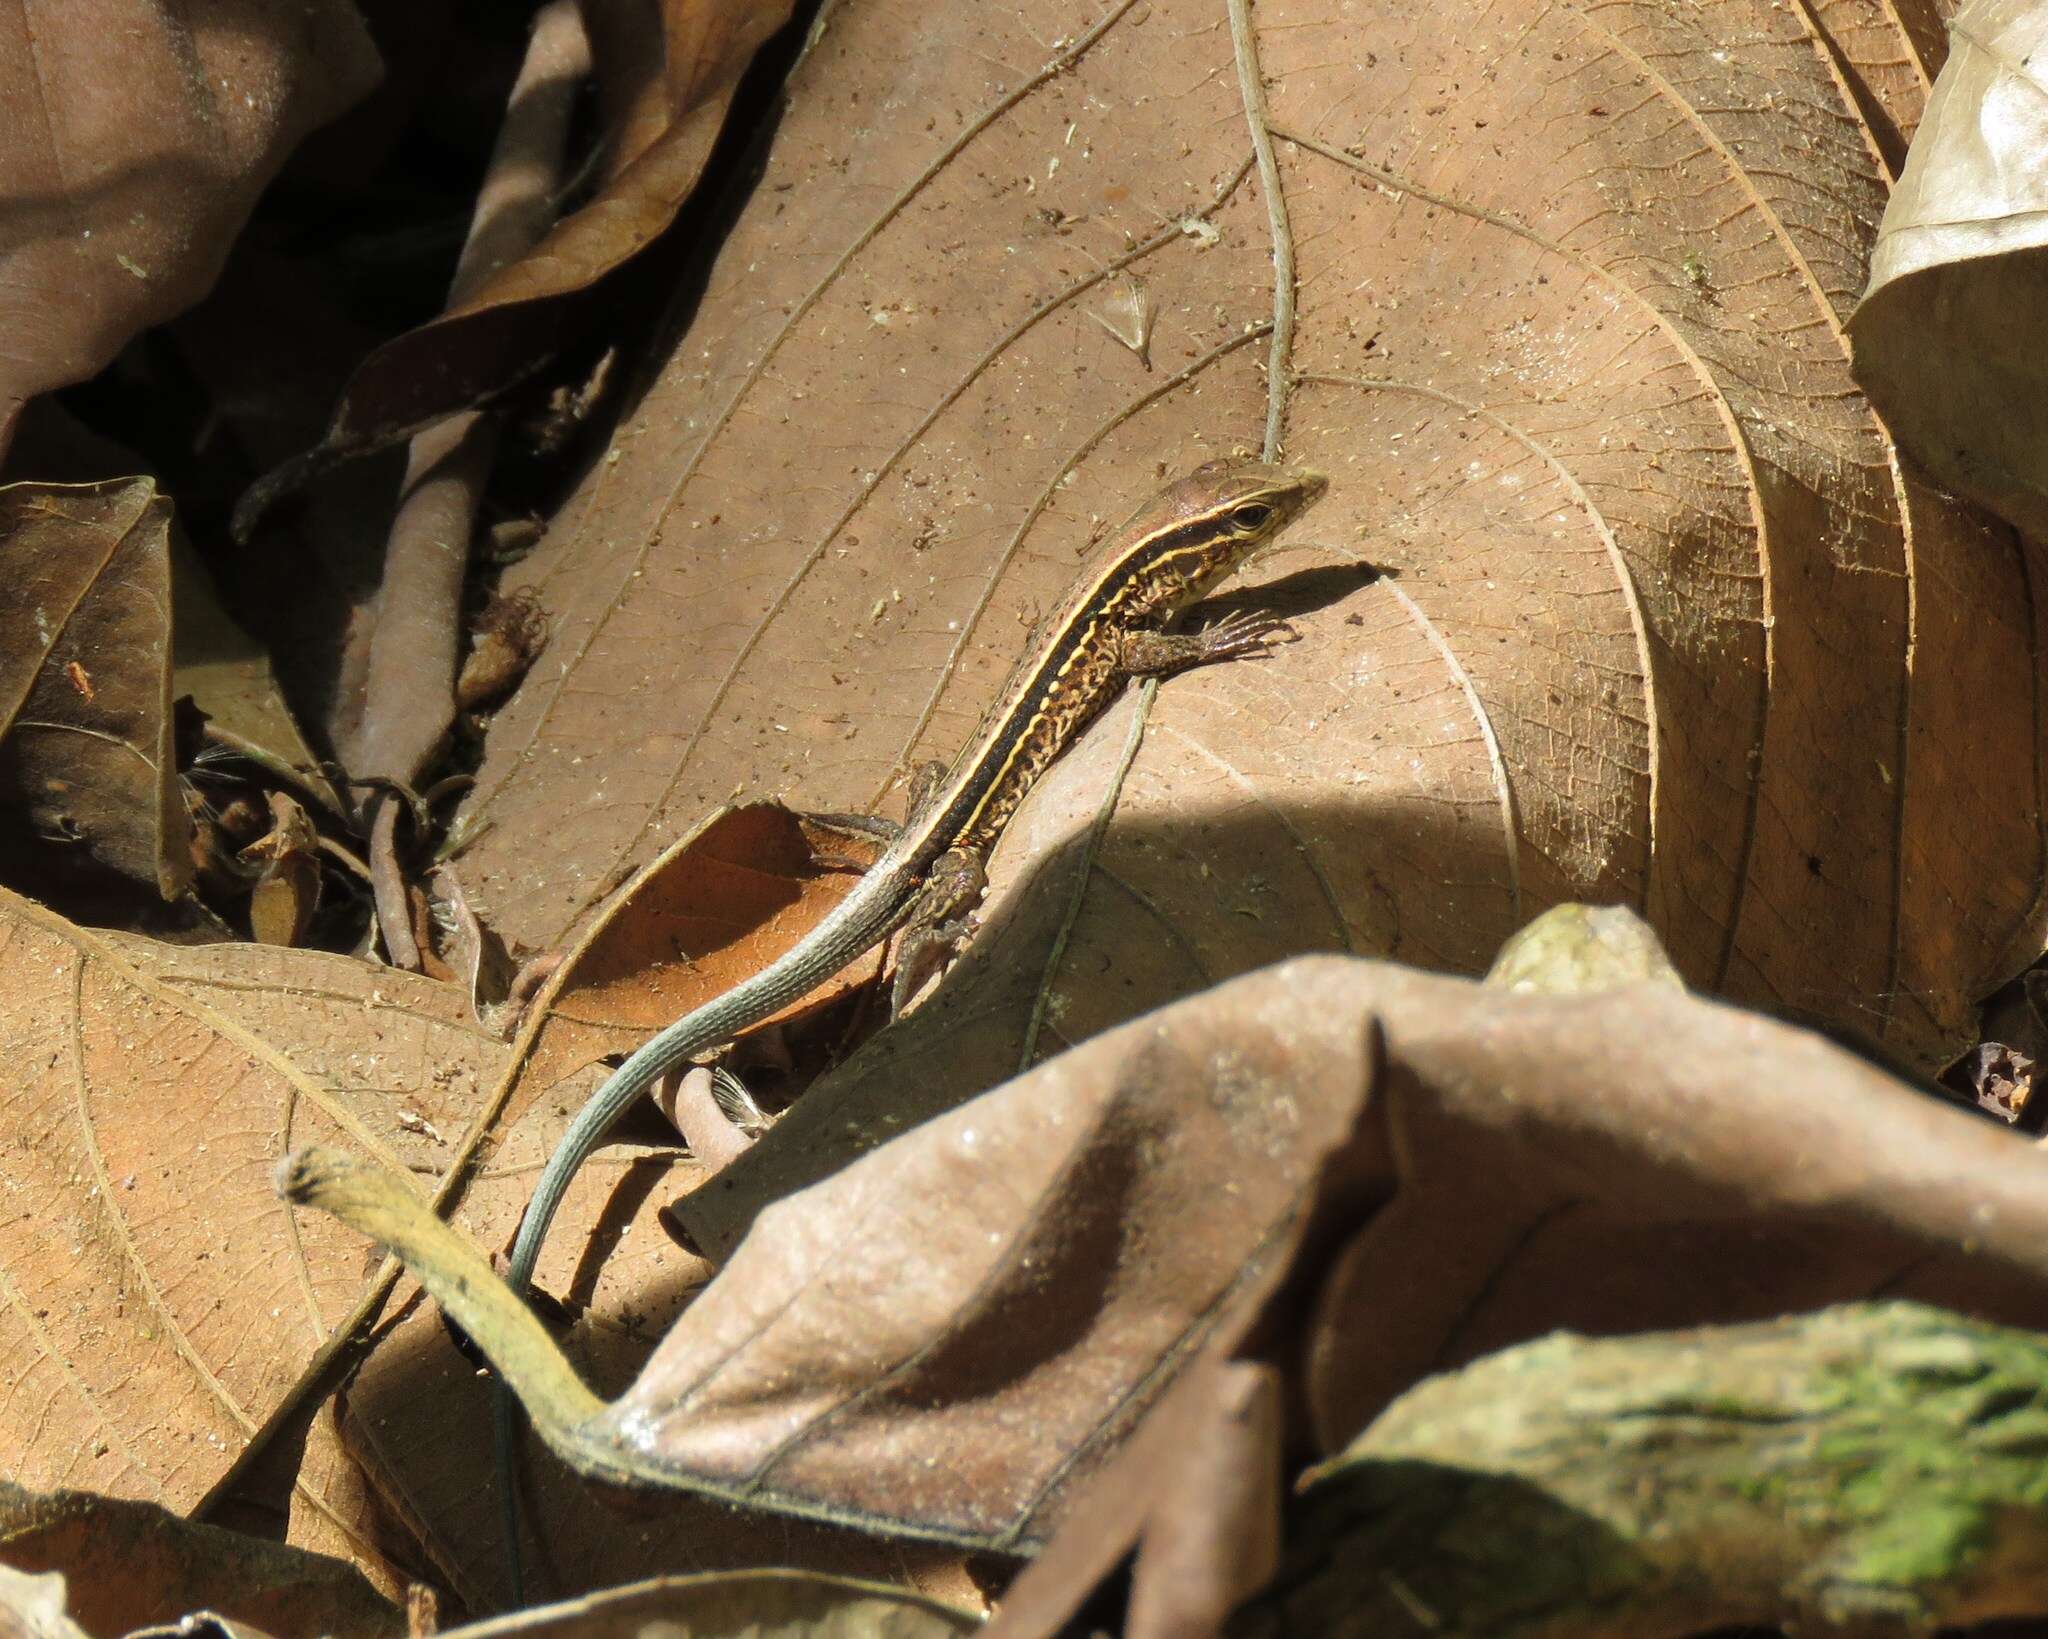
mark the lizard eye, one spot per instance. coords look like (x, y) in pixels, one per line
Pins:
(1251, 517)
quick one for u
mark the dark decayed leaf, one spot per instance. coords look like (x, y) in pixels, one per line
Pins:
(139, 136)
(664, 125)
(86, 761)
(1871, 1469)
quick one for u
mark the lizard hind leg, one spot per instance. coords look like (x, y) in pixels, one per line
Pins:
(940, 922)
(925, 781)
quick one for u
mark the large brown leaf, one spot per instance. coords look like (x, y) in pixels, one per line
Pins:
(139, 136)
(158, 1308)
(1672, 624)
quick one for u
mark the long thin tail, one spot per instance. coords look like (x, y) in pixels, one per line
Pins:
(864, 917)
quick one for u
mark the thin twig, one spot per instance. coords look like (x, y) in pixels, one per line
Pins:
(409, 683)
(1251, 84)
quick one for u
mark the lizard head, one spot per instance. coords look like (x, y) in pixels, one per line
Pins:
(1206, 526)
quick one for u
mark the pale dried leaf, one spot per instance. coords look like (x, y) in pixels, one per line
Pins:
(1606, 1163)
(1952, 334)
(34, 1606)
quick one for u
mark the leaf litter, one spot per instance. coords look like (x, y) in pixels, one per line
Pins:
(1622, 594)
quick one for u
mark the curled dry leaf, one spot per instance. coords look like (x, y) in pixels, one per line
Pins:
(510, 634)
(141, 136)
(155, 1311)
(1952, 335)
(2000, 1078)
(1565, 326)
(1610, 1162)
(720, 904)
(483, 966)
(133, 1563)
(87, 765)
(1313, 1132)
(662, 127)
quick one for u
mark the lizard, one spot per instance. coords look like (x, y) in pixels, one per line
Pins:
(1110, 627)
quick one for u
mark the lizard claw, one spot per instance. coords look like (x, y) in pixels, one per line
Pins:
(1247, 635)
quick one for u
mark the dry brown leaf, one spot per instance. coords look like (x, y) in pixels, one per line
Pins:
(128, 1564)
(1568, 336)
(86, 757)
(717, 906)
(1605, 1163)
(662, 127)
(287, 888)
(158, 1306)
(1952, 334)
(141, 137)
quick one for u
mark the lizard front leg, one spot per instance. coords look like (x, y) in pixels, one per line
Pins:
(1157, 654)
(939, 923)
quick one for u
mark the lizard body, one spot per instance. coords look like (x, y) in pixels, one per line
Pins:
(1109, 627)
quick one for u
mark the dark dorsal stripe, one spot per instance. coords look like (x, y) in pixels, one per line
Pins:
(993, 756)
